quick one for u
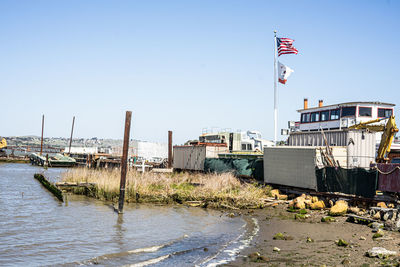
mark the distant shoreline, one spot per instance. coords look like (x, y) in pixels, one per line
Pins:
(13, 160)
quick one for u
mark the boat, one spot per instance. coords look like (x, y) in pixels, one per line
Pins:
(55, 160)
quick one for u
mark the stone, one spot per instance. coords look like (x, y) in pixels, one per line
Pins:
(309, 240)
(362, 238)
(276, 249)
(308, 202)
(275, 193)
(231, 215)
(300, 217)
(354, 210)
(282, 197)
(342, 243)
(378, 234)
(382, 205)
(376, 225)
(314, 199)
(279, 236)
(380, 252)
(340, 208)
(256, 257)
(299, 203)
(318, 205)
(392, 225)
(386, 216)
(346, 262)
(361, 213)
(377, 215)
(328, 219)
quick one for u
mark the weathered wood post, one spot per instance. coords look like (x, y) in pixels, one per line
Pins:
(41, 142)
(72, 131)
(169, 149)
(124, 161)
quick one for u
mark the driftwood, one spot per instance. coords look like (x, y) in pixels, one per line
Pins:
(359, 219)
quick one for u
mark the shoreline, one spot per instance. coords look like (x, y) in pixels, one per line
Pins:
(311, 242)
(13, 160)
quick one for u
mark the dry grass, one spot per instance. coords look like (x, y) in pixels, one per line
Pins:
(212, 190)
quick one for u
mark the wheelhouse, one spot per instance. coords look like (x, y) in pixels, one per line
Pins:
(342, 115)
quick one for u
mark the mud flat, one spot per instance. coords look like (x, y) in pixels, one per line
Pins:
(310, 242)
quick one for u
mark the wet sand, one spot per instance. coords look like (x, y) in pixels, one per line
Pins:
(323, 250)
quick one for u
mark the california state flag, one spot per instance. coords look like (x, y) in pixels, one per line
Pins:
(283, 72)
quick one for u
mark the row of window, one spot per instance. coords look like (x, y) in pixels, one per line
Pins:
(334, 114)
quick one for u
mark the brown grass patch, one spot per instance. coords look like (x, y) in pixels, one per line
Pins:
(212, 190)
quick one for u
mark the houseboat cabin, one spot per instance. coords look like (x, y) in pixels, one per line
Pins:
(340, 116)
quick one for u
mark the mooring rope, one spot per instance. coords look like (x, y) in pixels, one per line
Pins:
(386, 173)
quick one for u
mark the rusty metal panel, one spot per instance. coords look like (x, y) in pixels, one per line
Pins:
(389, 177)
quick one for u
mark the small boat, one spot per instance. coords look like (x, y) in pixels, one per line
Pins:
(56, 160)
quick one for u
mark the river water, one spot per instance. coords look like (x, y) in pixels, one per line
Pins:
(38, 230)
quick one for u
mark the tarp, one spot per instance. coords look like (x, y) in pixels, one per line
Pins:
(239, 167)
(357, 181)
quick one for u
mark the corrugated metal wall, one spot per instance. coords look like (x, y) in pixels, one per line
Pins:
(339, 154)
(193, 157)
(360, 144)
(361, 149)
(291, 166)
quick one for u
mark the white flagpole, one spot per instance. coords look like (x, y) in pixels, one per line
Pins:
(275, 94)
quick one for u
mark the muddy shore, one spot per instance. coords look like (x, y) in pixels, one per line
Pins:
(320, 249)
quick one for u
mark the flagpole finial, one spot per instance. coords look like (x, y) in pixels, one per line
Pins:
(274, 31)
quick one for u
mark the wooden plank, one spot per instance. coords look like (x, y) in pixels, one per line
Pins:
(49, 186)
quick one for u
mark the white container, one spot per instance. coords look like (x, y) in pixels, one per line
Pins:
(360, 144)
(290, 166)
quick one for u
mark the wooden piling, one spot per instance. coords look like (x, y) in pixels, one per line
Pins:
(49, 186)
(124, 161)
(72, 131)
(41, 142)
(169, 149)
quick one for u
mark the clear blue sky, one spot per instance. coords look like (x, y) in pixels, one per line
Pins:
(186, 65)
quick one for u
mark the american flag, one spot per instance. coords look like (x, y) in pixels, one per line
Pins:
(285, 46)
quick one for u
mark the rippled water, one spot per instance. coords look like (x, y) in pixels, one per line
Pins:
(37, 230)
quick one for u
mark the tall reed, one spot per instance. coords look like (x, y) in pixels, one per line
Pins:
(212, 190)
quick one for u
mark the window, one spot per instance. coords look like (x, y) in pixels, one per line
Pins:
(249, 147)
(385, 112)
(348, 111)
(335, 114)
(325, 115)
(364, 112)
(314, 116)
(305, 117)
(243, 146)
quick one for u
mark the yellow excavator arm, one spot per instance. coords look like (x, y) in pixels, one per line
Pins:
(3, 143)
(389, 130)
